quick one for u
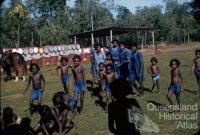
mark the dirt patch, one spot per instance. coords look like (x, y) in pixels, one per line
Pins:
(14, 96)
(169, 50)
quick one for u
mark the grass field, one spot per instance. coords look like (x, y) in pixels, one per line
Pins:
(93, 120)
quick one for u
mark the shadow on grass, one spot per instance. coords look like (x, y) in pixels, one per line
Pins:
(147, 89)
(191, 91)
(95, 92)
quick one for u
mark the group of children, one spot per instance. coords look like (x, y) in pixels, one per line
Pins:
(118, 61)
(63, 101)
(124, 61)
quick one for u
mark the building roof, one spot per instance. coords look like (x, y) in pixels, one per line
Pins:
(106, 31)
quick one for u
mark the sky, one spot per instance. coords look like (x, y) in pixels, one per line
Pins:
(133, 4)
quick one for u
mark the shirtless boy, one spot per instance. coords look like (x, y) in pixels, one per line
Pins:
(176, 84)
(38, 85)
(64, 73)
(196, 68)
(154, 71)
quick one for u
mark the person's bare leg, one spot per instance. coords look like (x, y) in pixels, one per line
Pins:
(169, 96)
(141, 87)
(81, 100)
(66, 88)
(31, 109)
(107, 100)
(158, 85)
(153, 86)
(198, 82)
(178, 99)
(133, 83)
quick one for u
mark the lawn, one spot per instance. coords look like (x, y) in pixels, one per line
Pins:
(93, 120)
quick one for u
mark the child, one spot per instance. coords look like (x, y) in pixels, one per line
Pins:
(49, 121)
(176, 84)
(109, 78)
(64, 73)
(79, 79)
(123, 64)
(9, 117)
(136, 68)
(114, 50)
(99, 56)
(109, 59)
(38, 85)
(154, 71)
(25, 127)
(92, 67)
(101, 77)
(196, 68)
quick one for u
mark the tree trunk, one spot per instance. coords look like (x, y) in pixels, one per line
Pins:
(18, 36)
(188, 39)
(32, 38)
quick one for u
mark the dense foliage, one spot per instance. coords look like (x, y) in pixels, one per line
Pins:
(41, 22)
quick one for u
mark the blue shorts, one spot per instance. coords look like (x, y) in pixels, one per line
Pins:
(175, 88)
(72, 102)
(197, 72)
(106, 86)
(155, 77)
(36, 94)
(79, 86)
(65, 79)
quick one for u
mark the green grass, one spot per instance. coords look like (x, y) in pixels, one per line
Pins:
(94, 120)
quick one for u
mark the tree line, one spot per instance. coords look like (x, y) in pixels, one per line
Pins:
(42, 22)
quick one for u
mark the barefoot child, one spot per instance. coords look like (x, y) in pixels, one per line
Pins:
(64, 73)
(101, 77)
(49, 121)
(79, 80)
(154, 71)
(176, 84)
(38, 85)
(196, 68)
(64, 103)
(109, 78)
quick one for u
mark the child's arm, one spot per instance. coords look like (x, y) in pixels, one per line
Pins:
(158, 69)
(58, 122)
(149, 70)
(141, 67)
(73, 72)
(58, 67)
(28, 85)
(43, 82)
(83, 72)
(44, 128)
